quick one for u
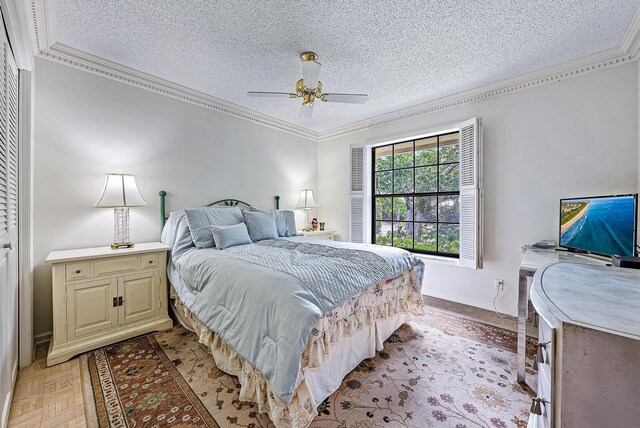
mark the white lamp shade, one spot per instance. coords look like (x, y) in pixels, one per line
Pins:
(307, 200)
(120, 190)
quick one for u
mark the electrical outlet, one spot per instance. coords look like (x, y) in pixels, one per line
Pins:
(499, 284)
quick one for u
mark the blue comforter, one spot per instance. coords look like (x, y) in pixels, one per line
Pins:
(264, 298)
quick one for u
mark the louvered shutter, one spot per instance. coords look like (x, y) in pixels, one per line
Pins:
(470, 194)
(356, 194)
(4, 198)
(12, 142)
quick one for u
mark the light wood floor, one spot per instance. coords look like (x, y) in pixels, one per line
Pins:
(48, 396)
(52, 396)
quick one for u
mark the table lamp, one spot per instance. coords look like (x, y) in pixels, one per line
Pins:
(307, 201)
(120, 192)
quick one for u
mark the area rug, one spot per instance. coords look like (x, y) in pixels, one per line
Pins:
(437, 371)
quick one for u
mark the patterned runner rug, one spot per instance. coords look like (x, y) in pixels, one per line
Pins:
(437, 371)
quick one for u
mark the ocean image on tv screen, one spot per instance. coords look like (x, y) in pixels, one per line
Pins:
(599, 225)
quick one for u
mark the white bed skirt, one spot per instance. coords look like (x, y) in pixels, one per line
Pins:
(339, 342)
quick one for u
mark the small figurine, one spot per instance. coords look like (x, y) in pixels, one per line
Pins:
(314, 224)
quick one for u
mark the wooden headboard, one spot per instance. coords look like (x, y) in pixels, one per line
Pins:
(221, 202)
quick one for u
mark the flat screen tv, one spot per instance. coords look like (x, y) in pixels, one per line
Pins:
(603, 225)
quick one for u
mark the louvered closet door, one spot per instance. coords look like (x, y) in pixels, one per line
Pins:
(8, 222)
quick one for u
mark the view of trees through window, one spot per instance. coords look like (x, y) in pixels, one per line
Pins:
(416, 195)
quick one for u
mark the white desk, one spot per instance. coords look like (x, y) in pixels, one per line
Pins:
(532, 261)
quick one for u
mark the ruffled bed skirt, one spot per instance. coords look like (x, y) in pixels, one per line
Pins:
(382, 302)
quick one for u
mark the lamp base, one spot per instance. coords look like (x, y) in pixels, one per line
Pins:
(119, 245)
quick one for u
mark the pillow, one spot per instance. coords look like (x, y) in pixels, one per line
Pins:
(230, 236)
(285, 221)
(200, 221)
(260, 225)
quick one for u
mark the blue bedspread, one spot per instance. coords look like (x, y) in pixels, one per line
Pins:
(264, 298)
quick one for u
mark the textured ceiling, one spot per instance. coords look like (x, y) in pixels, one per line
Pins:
(400, 52)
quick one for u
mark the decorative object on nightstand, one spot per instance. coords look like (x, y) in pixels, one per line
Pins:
(319, 234)
(307, 201)
(314, 224)
(102, 297)
(321, 226)
(120, 192)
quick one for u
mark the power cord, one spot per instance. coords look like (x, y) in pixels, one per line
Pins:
(494, 305)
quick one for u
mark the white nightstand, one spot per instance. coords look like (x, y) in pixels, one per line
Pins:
(102, 296)
(319, 234)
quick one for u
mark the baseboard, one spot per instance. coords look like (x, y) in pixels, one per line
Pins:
(42, 338)
(469, 301)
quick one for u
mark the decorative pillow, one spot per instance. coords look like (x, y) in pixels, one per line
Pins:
(285, 221)
(230, 236)
(260, 225)
(200, 221)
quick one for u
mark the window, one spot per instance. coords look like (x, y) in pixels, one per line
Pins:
(419, 203)
(416, 195)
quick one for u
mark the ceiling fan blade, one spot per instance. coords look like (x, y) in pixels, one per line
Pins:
(311, 73)
(345, 98)
(271, 94)
(306, 111)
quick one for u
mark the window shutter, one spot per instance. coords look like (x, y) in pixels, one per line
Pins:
(356, 194)
(470, 194)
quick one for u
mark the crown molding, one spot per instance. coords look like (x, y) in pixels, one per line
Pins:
(93, 64)
(631, 40)
(628, 51)
(43, 38)
(19, 28)
(527, 81)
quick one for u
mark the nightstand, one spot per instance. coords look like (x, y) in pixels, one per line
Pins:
(102, 296)
(319, 234)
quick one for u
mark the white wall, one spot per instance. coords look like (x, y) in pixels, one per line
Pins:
(576, 137)
(87, 125)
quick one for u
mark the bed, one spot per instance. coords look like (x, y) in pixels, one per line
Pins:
(290, 317)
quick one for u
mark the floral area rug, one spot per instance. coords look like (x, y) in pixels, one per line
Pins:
(437, 371)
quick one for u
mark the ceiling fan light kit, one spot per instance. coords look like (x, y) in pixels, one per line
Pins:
(309, 88)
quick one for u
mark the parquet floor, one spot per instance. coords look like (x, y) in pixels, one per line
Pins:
(52, 396)
(48, 396)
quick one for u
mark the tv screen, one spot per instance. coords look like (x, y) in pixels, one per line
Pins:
(602, 225)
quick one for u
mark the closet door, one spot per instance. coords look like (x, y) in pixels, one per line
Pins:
(8, 223)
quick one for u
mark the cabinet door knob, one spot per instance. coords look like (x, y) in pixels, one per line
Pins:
(77, 270)
(150, 261)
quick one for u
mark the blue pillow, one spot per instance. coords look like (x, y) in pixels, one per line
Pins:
(260, 225)
(200, 221)
(285, 221)
(230, 236)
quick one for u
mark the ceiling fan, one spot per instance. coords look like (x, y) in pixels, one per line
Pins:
(309, 88)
